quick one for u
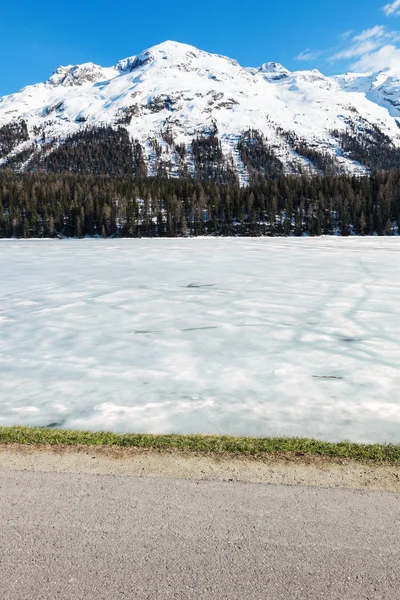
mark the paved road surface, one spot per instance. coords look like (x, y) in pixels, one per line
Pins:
(72, 537)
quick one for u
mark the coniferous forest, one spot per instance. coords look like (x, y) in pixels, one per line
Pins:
(48, 205)
(97, 184)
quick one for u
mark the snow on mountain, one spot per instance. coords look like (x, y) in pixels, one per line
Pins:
(381, 88)
(184, 92)
(88, 73)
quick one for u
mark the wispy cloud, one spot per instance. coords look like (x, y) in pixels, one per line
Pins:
(308, 54)
(346, 34)
(372, 50)
(393, 8)
(377, 33)
(355, 50)
(386, 57)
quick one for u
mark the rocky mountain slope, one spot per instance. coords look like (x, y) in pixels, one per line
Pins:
(185, 112)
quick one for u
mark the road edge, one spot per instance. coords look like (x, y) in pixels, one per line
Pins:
(133, 462)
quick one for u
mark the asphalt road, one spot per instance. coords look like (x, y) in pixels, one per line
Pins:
(71, 536)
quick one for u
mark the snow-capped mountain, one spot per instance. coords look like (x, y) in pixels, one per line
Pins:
(172, 93)
(382, 88)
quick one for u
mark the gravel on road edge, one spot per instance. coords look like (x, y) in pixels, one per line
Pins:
(272, 469)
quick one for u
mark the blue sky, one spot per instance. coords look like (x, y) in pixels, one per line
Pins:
(36, 37)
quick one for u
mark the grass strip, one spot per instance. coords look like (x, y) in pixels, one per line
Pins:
(202, 443)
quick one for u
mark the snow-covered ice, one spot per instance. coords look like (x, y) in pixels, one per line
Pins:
(241, 336)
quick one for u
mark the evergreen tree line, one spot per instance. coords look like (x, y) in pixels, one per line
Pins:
(12, 134)
(110, 151)
(40, 204)
(97, 150)
(372, 148)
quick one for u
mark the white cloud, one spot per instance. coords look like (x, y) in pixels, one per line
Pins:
(355, 50)
(393, 8)
(346, 34)
(308, 55)
(385, 57)
(372, 50)
(377, 32)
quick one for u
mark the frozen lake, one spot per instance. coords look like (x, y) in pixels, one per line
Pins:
(288, 337)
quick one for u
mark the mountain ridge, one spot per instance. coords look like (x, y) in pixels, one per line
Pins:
(171, 95)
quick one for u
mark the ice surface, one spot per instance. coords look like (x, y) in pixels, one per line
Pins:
(241, 336)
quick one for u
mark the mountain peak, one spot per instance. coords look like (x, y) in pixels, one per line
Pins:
(273, 71)
(86, 73)
(272, 67)
(173, 53)
(172, 93)
(167, 50)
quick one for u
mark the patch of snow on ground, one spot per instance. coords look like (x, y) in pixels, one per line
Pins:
(261, 337)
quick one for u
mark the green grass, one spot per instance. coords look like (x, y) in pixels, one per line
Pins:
(203, 443)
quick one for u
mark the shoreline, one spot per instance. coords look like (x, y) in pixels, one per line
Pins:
(208, 445)
(65, 238)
